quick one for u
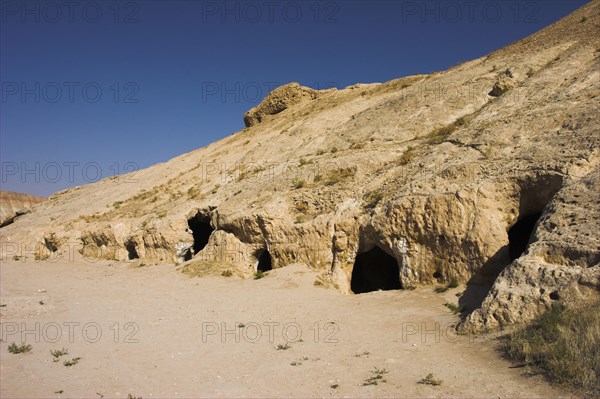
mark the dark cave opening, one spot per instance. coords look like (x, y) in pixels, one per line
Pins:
(535, 193)
(131, 250)
(188, 255)
(201, 231)
(264, 261)
(519, 235)
(375, 270)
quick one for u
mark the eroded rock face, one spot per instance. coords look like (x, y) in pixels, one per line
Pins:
(279, 100)
(562, 262)
(504, 83)
(498, 192)
(13, 204)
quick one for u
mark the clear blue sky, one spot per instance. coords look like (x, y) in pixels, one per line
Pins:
(90, 89)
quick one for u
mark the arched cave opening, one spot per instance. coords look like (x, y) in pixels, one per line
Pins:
(375, 270)
(131, 250)
(265, 262)
(519, 235)
(201, 231)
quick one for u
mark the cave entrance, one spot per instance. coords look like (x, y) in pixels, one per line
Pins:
(264, 262)
(520, 234)
(375, 270)
(535, 193)
(131, 250)
(201, 231)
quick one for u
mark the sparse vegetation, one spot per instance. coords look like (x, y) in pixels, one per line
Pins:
(15, 349)
(117, 204)
(192, 192)
(365, 353)
(162, 214)
(333, 150)
(72, 362)
(298, 362)
(453, 283)
(376, 377)
(56, 354)
(334, 386)
(283, 347)
(372, 198)
(488, 153)
(357, 145)
(320, 152)
(204, 267)
(453, 308)
(16, 257)
(259, 274)
(301, 218)
(407, 156)
(298, 183)
(430, 380)
(440, 135)
(563, 343)
(227, 273)
(338, 175)
(530, 73)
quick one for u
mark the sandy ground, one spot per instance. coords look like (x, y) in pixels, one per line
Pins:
(153, 332)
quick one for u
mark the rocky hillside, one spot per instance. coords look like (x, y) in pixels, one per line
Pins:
(487, 174)
(13, 204)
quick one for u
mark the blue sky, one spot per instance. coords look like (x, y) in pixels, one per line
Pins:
(93, 88)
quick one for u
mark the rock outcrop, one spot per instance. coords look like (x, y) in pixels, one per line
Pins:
(14, 204)
(279, 100)
(471, 174)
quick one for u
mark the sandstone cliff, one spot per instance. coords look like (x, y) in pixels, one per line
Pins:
(13, 204)
(487, 173)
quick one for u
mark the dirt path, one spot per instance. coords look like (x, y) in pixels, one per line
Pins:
(164, 334)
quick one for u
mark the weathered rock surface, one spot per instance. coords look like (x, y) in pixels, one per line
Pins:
(448, 176)
(279, 100)
(505, 83)
(14, 204)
